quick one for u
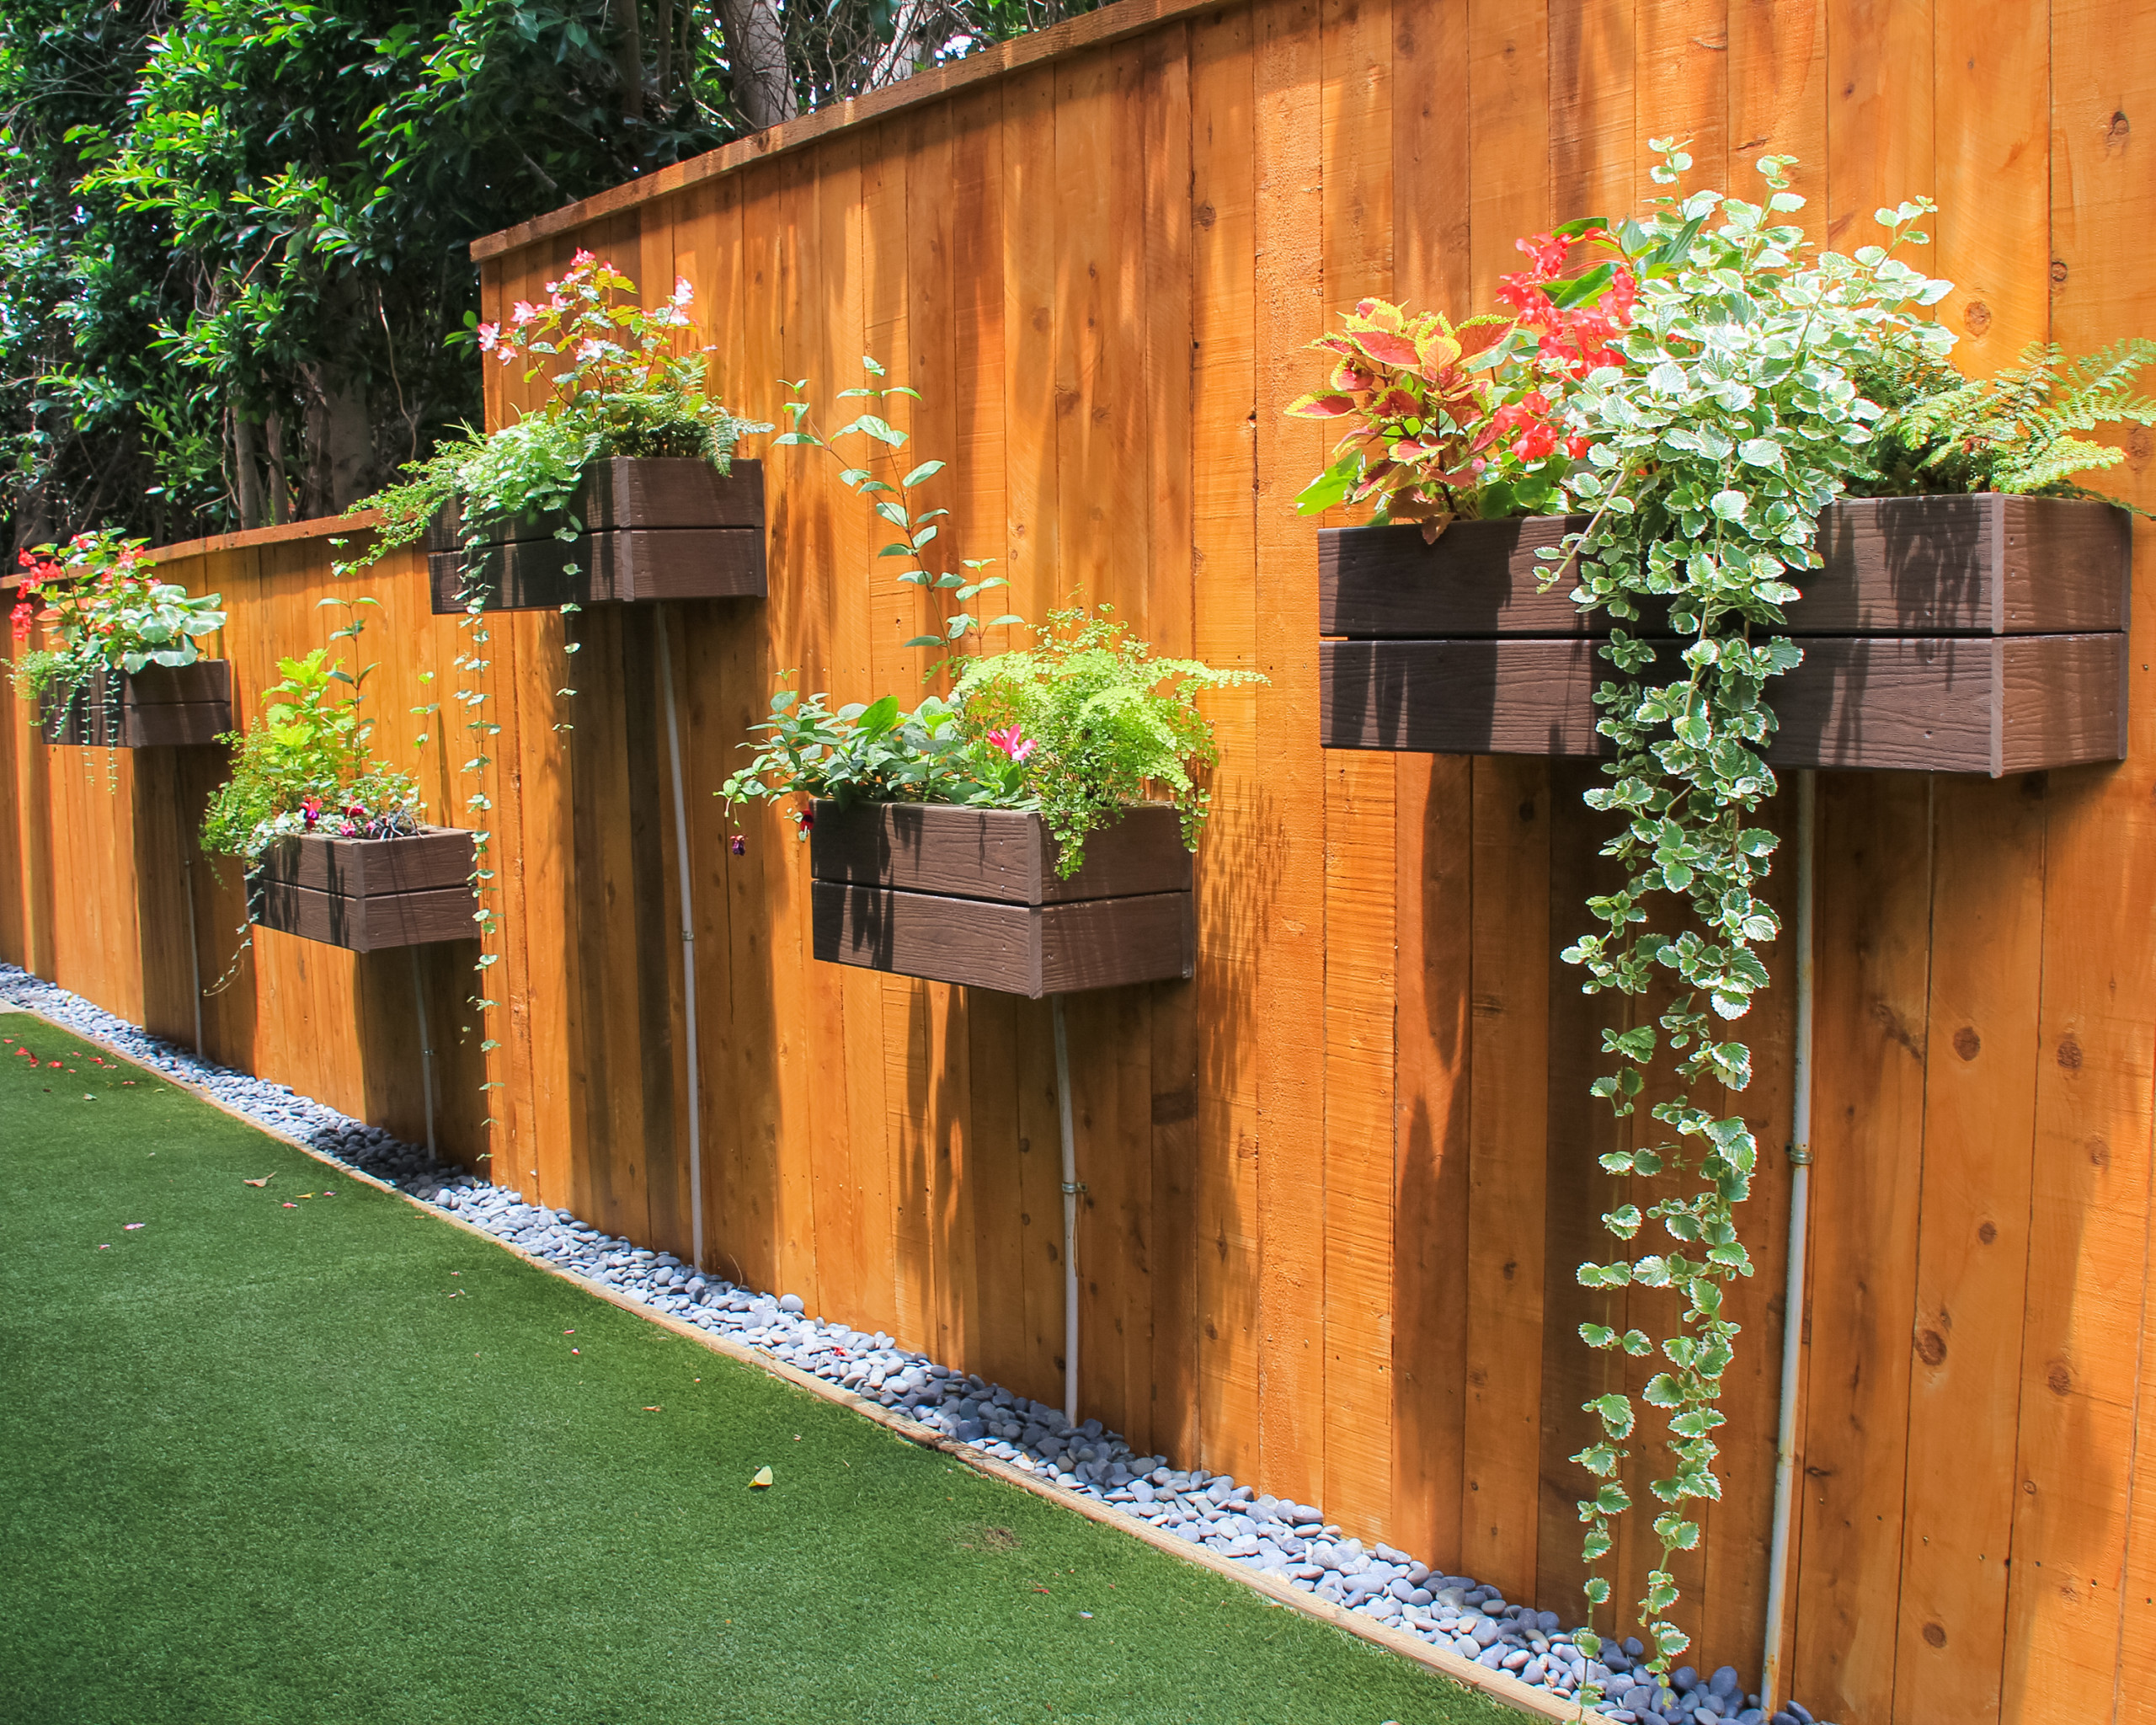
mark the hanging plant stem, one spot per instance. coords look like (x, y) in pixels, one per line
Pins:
(1711, 451)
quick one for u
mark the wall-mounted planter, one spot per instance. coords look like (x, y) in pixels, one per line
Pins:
(653, 529)
(367, 894)
(160, 706)
(971, 896)
(1950, 634)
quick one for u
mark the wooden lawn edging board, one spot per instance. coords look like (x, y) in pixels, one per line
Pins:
(971, 896)
(1957, 634)
(1499, 1686)
(366, 894)
(654, 529)
(160, 706)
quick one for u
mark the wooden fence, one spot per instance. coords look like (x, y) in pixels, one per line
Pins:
(1337, 1185)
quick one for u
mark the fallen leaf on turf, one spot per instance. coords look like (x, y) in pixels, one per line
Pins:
(762, 1479)
(107, 1246)
(654, 1410)
(264, 1181)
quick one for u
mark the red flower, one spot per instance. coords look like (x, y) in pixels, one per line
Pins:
(311, 810)
(805, 820)
(738, 846)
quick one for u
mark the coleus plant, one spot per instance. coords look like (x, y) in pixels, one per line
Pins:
(1445, 422)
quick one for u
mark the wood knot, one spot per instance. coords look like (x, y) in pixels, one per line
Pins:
(2116, 133)
(2058, 272)
(2058, 1380)
(1204, 215)
(1976, 317)
(2069, 1054)
(2100, 1152)
(1987, 1232)
(1967, 1042)
(1934, 1635)
(1931, 1348)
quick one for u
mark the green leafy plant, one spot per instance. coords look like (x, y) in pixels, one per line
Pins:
(305, 765)
(1094, 721)
(2019, 431)
(893, 500)
(103, 610)
(1076, 728)
(871, 752)
(619, 387)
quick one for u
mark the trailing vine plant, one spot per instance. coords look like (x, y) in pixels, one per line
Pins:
(623, 379)
(1712, 449)
(1701, 385)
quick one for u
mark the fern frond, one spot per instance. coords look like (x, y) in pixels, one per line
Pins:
(2051, 462)
(2098, 389)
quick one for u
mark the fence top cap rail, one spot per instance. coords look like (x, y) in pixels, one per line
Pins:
(322, 528)
(1112, 23)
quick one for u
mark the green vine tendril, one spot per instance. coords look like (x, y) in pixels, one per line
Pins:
(1714, 450)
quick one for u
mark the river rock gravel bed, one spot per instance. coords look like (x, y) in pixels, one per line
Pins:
(1293, 1541)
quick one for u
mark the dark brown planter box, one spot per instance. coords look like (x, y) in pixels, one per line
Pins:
(1950, 634)
(654, 529)
(160, 706)
(971, 896)
(368, 894)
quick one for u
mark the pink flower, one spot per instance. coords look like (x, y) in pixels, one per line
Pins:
(1012, 742)
(310, 810)
(524, 311)
(582, 259)
(683, 293)
(490, 333)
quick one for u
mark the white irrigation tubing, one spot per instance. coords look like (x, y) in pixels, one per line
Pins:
(426, 1047)
(1071, 1189)
(688, 946)
(194, 950)
(1800, 1200)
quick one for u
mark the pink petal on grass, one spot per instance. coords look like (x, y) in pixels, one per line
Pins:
(133, 1226)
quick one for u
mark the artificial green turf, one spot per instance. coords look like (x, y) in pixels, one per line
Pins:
(280, 1457)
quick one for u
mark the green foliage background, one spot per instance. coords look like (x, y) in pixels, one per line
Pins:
(233, 233)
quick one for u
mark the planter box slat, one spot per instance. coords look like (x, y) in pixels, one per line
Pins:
(1896, 566)
(994, 853)
(368, 894)
(1029, 949)
(366, 925)
(625, 566)
(970, 896)
(1991, 705)
(161, 706)
(654, 529)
